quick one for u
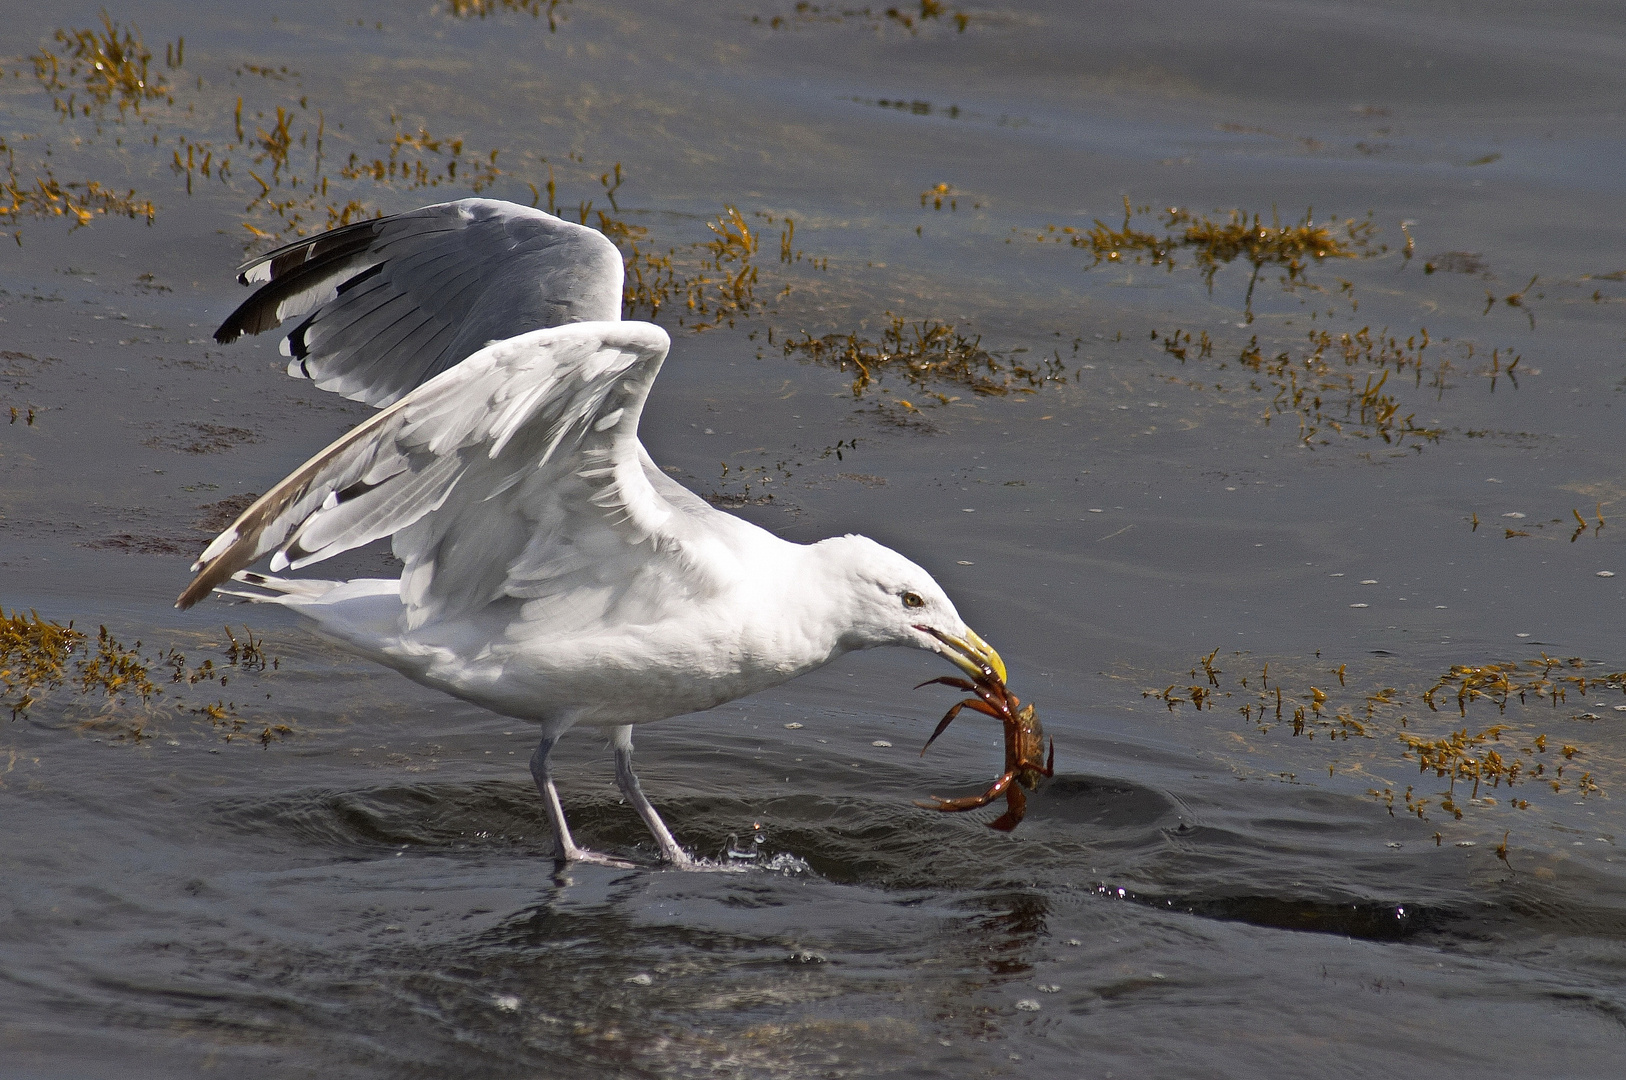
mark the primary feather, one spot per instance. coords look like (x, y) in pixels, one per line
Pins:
(393, 302)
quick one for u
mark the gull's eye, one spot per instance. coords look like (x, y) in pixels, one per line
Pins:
(913, 600)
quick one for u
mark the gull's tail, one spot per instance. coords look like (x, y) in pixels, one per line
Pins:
(275, 590)
(363, 614)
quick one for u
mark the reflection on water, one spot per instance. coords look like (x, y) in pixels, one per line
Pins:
(1315, 585)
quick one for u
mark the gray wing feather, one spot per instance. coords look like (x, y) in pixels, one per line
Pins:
(388, 304)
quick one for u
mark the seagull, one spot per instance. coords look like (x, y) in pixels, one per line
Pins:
(552, 572)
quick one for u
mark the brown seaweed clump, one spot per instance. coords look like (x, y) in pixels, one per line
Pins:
(42, 195)
(108, 65)
(1516, 753)
(38, 656)
(273, 144)
(711, 282)
(34, 654)
(465, 9)
(925, 353)
(1212, 243)
(1341, 383)
(807, 12)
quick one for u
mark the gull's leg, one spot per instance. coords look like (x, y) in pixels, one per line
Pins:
(628, 780)
(565, 849)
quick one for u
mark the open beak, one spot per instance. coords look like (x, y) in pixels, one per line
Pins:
(970, 654)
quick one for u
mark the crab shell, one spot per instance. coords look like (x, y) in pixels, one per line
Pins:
(1029, 737)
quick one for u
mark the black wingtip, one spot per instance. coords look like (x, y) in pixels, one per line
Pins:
(293, 269)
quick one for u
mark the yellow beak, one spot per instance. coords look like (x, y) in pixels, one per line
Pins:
(971, 654)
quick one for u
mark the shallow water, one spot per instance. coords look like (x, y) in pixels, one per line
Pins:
(1198, 892)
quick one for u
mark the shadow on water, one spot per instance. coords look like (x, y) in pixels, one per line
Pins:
(880, 842)
(362, 823)
(897, 849)
(1114, 811)
(1363, 919)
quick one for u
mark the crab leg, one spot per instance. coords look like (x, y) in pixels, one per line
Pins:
(1016, 805)
(993, 695)
(971, 703)
(971, 802)
(949, 680)
(943, 724)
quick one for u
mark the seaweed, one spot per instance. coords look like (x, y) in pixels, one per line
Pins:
(806, 12)
(108, 65)
(422, 161)
(34, 654)
(1511, 753)
(1215, 242)
(1351, 383)
(39, 656)
(925, 353)
(712, 282)
(43, 195)
(937, 195)
(278, 149)
(465, 9)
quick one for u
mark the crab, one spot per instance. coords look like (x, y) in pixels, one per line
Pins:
(1024, 748)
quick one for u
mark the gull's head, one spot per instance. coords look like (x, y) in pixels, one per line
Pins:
(889, 600)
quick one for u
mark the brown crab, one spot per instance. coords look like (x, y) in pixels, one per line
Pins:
(1024, 748)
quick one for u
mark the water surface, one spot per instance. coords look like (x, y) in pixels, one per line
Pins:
(339, 870)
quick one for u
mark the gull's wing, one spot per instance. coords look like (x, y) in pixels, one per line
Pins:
(516, 474)
(392, 302)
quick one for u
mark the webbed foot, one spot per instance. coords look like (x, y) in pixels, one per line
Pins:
(572, 853)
